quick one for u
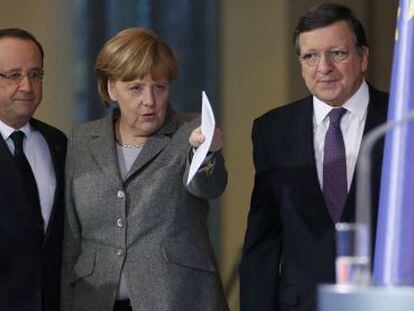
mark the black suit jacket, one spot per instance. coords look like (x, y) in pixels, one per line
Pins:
(289, 245)
(30, 267)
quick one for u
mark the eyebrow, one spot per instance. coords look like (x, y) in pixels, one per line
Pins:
(19, 69)
(13, 70)
(129, 83)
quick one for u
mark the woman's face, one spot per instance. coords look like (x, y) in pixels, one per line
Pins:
(143, 103)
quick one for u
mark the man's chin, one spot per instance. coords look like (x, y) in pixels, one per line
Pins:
(330, 99)
(25, 113)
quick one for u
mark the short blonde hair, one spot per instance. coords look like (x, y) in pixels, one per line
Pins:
(131, 54)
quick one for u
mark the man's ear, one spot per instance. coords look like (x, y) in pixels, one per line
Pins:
(364, 56)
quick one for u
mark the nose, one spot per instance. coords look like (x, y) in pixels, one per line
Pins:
(25, 84)
(148, 97)
(325, 64)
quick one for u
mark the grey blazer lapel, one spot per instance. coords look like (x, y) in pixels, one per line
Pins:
(154, 145)
(103, 149)
(152, 148)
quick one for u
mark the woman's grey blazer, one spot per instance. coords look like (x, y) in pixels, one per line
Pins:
(150, 224)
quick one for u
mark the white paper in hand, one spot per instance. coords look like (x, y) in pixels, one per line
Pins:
(208, 124)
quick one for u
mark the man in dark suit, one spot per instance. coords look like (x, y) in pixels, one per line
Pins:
(31, 181)
(305, 155)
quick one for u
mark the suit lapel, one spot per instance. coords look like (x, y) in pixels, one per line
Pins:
(311, 204)
(5, 154)
(302, 130)
(152, 148)
(376, 115)
(154, 145)
(8, 163)
(103, 149)
(57, 151)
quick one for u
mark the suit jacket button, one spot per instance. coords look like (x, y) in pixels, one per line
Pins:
(120, 223)
(119, 252)
(121, 194)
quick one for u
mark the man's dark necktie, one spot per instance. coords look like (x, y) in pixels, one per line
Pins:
(29, 179)
(334, 166)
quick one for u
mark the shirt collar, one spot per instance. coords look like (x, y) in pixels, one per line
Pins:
(6, 130)
(356, 105)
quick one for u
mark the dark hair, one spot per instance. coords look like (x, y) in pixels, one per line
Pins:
(325, 14)
(18, 33)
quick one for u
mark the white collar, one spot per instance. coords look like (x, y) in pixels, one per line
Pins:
(356, 105)
(6, 130)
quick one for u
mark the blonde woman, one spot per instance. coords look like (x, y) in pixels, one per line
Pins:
(135, 235)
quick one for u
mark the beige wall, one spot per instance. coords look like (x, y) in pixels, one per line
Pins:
(382, 22)
(51, 22)
(253, 68)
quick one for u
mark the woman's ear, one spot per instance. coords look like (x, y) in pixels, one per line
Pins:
(111, 90)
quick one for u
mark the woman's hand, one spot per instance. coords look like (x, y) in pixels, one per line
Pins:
(197, 138)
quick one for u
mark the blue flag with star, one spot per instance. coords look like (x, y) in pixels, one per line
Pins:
(394, 255)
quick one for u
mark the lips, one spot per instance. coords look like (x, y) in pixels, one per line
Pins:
(148, 116)
(327, 84)
(328, 81)
(25, 99)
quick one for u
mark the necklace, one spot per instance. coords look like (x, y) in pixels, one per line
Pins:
(119, 142)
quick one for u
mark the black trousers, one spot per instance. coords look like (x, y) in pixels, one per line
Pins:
(122, 305)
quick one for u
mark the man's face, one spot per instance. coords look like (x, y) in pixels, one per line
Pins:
(19, 99)
(336, 71)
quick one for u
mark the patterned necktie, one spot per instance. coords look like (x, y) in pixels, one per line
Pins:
(334, 166)
(29, 179)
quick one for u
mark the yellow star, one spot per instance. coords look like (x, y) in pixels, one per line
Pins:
(411, 12)
(398, 18)
(410, 15)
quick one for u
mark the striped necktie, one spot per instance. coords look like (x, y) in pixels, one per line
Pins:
(335, 188)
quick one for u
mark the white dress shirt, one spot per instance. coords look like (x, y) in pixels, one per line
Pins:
(352, 126)
(37, 152)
